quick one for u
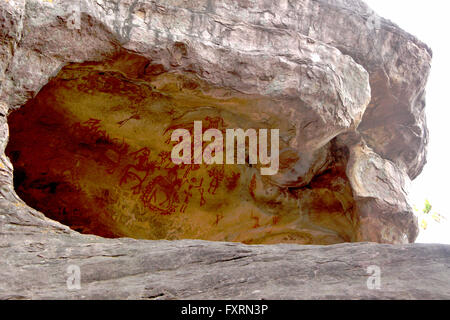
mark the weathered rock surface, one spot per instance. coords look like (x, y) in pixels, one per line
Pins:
(345, 87)
(36, 268)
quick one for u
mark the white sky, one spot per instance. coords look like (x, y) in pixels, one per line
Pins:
(430, 22)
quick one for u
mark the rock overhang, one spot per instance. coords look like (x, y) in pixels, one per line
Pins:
(286, 71)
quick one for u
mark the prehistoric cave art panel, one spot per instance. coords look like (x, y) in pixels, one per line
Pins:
(93, 151)
(161, 186)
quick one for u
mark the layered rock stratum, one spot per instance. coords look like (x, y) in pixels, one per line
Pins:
(91, 91)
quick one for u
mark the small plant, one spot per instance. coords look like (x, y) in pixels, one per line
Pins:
(427, 215)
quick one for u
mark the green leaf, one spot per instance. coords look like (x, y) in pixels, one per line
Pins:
(427, 208)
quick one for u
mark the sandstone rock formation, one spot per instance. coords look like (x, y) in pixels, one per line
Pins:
(91, 90)
(194, 269)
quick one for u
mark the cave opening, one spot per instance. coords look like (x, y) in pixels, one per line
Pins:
(92, 151)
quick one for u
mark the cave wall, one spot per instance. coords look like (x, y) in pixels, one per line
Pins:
(93, 151)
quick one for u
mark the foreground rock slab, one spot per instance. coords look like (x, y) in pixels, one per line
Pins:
(35, 267)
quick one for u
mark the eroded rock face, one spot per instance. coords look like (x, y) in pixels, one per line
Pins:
(194, 269)
(93, 90)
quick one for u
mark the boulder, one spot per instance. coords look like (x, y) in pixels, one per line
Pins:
(92, 91)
